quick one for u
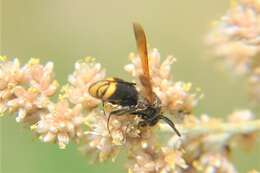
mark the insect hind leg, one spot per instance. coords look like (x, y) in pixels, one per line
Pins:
(170, 123)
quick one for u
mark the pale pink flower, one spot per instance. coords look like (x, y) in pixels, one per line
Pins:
(11, 75)
(97, 137)
(236, 37)
(106, 143)
(61, 124)
(41, 77)
(26, 102)
(241, 116)
(216, 162)
(86, 73)
(150, 160)
(255, 4)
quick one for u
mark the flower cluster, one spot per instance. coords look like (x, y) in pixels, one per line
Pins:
(204, 145)
(236, 39)
(104, 144)
(148, 156)
(60, 124)
(86, 73)
(27, 90)
(175, 96)
(105, 139)
(207, 142)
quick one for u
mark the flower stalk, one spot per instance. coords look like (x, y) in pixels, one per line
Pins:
(221, 127)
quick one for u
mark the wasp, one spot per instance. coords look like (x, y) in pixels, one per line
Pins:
(145, 104)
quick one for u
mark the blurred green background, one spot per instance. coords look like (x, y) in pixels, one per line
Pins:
(63, 31)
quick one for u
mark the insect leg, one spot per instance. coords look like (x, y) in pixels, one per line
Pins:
(170, 123)
(124, 110)
(119, 112)
(142, 124)
(103, 107)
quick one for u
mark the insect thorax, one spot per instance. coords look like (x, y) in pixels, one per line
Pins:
(147, 108)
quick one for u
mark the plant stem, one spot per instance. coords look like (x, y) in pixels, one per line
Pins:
(216, 128)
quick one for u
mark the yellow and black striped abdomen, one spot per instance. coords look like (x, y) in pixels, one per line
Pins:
(103, 89)
(116, 91)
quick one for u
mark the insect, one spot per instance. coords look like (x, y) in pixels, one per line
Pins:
(144, 104)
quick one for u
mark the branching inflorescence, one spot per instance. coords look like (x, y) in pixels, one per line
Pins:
(235, 38)
(76, 116)
(205, 143)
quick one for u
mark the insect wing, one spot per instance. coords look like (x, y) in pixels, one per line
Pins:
(142, 51)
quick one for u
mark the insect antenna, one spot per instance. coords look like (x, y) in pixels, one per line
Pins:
(170, 123)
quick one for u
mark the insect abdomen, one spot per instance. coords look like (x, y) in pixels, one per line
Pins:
(116, 91)
(125, 94)
(103, 89)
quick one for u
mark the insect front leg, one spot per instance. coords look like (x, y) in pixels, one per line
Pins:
(151, 121)
(119, 112)
(142, 124)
